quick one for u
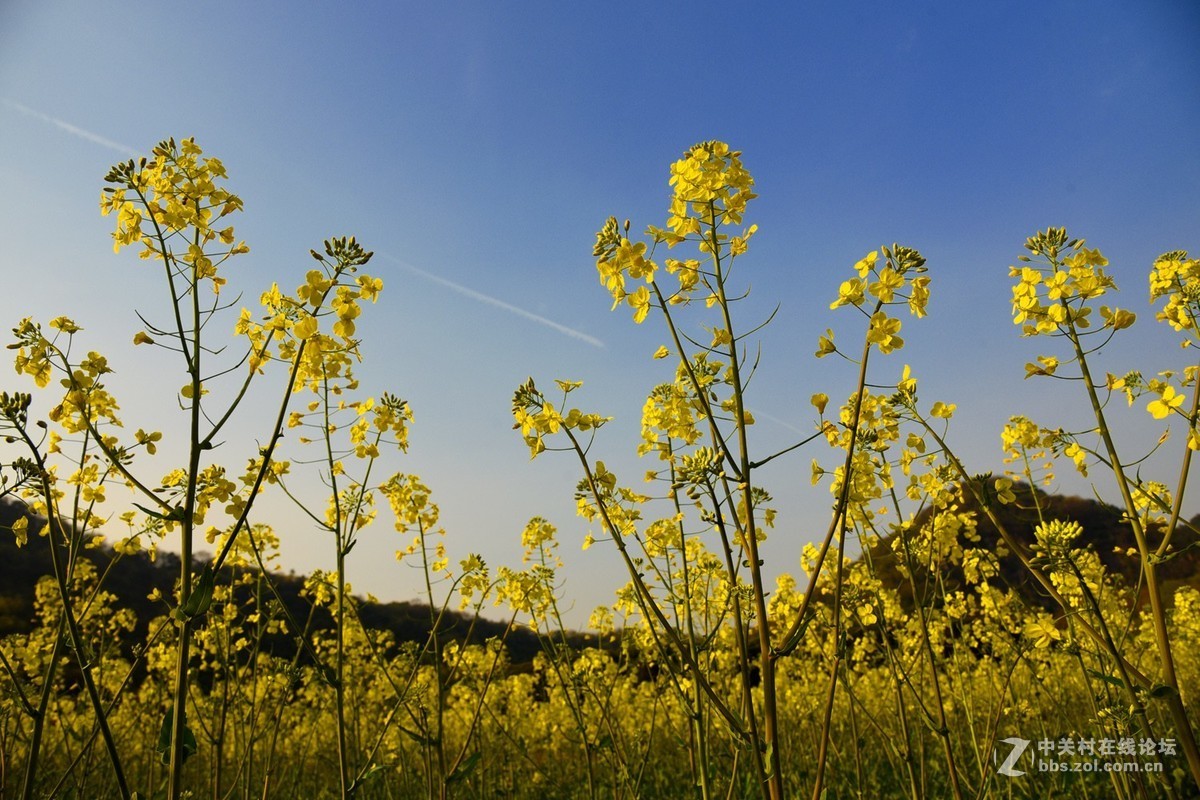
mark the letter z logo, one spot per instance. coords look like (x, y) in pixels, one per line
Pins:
(1018, 748)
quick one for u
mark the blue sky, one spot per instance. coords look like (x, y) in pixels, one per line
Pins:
(477, 147)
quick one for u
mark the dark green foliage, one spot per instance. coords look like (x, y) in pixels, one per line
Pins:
(132, 578)
(1104, 532)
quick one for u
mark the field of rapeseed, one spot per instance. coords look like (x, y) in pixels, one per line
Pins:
(957, 656)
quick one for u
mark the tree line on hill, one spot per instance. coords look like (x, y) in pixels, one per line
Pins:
(132, 578)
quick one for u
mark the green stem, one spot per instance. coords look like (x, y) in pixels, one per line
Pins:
(646, 602)
(766, 663)
(53, 522)
(791, 639)
(1149, 560)
(187, 529)
(1019, 550)
(942, 731)
(838, 643)
(39, 718)
(1184, 469)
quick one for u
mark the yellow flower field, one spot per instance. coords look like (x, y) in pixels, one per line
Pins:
(950, 634)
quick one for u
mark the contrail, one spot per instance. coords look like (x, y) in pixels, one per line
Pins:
(74, 130)
(778, 421)
(492, 301)
(96, 138)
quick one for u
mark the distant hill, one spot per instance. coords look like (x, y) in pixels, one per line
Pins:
(132, 578)
(1103, 531)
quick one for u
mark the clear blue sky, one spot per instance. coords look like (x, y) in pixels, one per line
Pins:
(481, 145)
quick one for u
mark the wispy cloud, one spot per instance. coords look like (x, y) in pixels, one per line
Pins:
(492, 301)
(74, 130)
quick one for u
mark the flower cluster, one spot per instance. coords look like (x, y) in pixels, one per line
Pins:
(536, 417)
(1176, 278)
(1053, 292)
(176, 191)
(711, 189)
(294, 321)
(900, 280)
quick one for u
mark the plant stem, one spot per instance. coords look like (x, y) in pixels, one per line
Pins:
(1149, 560)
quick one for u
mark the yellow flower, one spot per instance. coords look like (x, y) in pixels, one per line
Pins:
(538, 532)
(884, 288)
(1042, 631)
(882, 333)
(20, 529)
(1168, 401)
(640, 302)
(305, 328)
(1078, 454)
(825, 344)
(1117, 318)
(943, 410)
(866, 263)
(148, 439)
(186, 390)
(1047, 365)
(850, 293)
(918, 298)
(369, 288)
(64, 324)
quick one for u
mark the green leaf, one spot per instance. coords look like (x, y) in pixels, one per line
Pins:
(465, 768)
(1109, 679)
(163, 748)
(202, 594)
(176, 514)
(417, 737)
(372, 772)
(329, 675)
(1162, 690)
